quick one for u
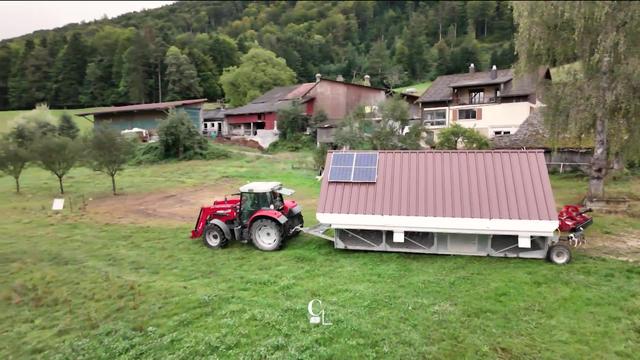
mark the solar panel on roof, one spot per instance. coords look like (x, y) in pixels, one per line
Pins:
(353, 167)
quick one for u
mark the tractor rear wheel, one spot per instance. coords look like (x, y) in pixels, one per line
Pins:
(213, 237)
(266, 235)
(559, 254)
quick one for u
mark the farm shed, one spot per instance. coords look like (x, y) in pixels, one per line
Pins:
(145, 116)
(496, 203)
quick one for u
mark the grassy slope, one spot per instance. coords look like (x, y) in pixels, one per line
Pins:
(7, 118)
(420, 88)
(76, 288)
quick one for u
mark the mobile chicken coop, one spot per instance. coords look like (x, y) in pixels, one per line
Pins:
(495, 203)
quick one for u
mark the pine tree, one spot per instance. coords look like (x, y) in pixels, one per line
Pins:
(137, 79)
(69, 73)
(18, 88)
(67, 127)
(6, 59)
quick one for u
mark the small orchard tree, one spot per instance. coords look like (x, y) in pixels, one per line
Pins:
(179, 138)
(109, 152)
(57, 154)
(452, 137)
(67, 127)
(13, 159)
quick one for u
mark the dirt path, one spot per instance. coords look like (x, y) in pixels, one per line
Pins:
(171, 207)
(623, 247)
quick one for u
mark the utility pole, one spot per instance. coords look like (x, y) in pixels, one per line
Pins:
(159, 84)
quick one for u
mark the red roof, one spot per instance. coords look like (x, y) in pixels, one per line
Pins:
(142, 107)
(511, 184)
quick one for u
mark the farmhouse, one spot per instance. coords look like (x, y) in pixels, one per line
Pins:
(145, 116)
(496, 203)
(258, 119)
(493, 102)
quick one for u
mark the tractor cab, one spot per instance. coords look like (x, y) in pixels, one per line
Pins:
(260, 214)
(261, 196)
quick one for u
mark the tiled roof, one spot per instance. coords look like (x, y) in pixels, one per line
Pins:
(511, 184)
(442, 87)
(142, 107)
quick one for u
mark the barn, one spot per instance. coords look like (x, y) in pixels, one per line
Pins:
(496, 203)
(145, 116)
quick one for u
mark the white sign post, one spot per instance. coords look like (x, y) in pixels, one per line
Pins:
(58, 204)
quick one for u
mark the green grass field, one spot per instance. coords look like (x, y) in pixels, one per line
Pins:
(420, 87)
(7, 118)
(76, 286)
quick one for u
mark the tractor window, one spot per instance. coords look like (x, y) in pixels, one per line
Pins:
(251, 202)
(278, 202)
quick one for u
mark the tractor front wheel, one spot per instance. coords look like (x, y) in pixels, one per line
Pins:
(559, 254)
(214, 237)
(266, 235)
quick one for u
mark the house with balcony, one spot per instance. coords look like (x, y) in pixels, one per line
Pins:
(494, 102)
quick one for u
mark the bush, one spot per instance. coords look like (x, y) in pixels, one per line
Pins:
(296, 142)
(451, 137)
(147, 154)
(215, 152)
(153, 153)
(179, 138)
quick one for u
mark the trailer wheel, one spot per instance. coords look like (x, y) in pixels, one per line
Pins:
(559, 254)
(266, 235)
(213, 237)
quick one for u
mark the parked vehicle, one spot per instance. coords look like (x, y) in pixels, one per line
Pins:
(258, 213)
(141, 135)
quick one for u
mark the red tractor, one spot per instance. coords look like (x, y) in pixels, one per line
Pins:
(258, 214)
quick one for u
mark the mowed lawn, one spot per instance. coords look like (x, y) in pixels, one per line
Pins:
(73, 286)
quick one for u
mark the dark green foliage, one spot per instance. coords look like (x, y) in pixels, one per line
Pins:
(182, 77)
(57, 155)
(69, 72)
(456, 136)
(179, 138)
(292, 121)
(121, 60)
(109, 152)
(295, 142)
(68, 127)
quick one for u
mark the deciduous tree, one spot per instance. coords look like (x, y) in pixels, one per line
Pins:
(600, 98)
(109, 152)
(57, 154)
(13, 159)
(260, 70)
(182, 77)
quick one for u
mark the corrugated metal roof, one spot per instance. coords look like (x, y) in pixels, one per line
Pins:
(142, 107)
(453, 184)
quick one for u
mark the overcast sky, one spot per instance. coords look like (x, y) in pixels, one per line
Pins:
(23, 17)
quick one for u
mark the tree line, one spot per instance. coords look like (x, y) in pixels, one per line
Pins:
(182, 50)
